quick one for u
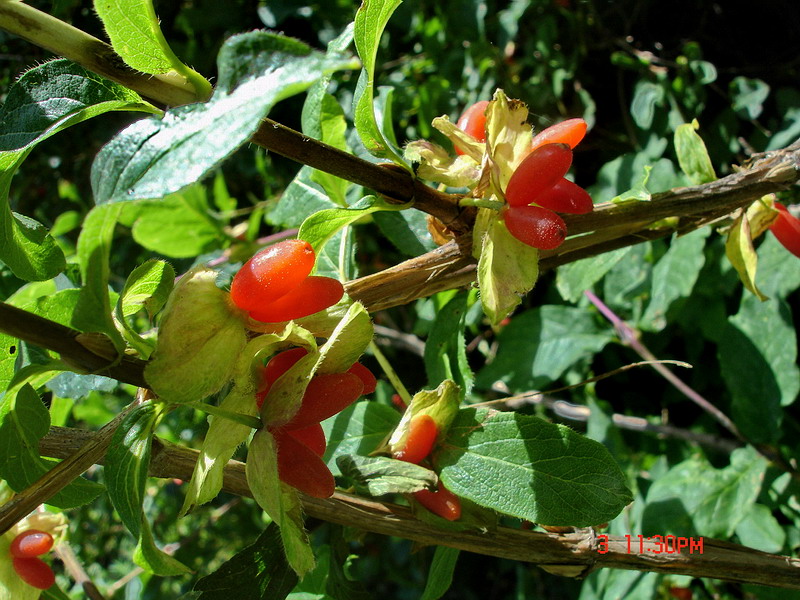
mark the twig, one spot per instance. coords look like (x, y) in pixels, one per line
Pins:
(77, 572)
(570, 554)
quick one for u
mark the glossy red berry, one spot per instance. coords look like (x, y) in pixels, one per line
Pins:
(35, 572)
(312, 436)
(366, 377)
(325, 396)
(442, 502)
(787, 229)
(31, 543)
(422, 432)
(539, 171)
(302, 468)
(312, 295)
(473, 122)
(535, 226)
(272, 273)
(569, 132)
(566, 197)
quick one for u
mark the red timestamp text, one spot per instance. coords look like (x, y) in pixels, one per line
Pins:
(654, 544)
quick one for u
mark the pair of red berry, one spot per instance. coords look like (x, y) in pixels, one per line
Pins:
(537, 189)
(422, 434)
(276, 284)
(786, 229)
(26, 549)
(301, 441)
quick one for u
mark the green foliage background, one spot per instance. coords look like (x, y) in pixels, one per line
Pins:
(635, 71)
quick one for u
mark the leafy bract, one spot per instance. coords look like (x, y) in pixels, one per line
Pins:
(693, 155)
(156, 157)
(370, 21)
(133, 28)
(740, 251)
(440, 404)
(528, 468)
(44, 101)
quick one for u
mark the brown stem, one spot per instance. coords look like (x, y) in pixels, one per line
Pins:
(569, 554)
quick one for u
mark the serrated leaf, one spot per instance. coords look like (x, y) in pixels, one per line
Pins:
(156, 157)
(381, 475)
(742, 255)
(257, 572)
(539, 471)
(127, 463)
(693, 155)
(199, 341)
(507, 268)
(359, 429)
(133, 28)
(24, 420)
(713, 500)
(371, 19)
(540, 344)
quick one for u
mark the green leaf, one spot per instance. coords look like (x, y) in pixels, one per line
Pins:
(24, 420)
(693, 155)
(713, 501)
(371, 19)
(379, 475)
(133, 28)
(359, 429)
(761, 530)
(575, 278)
(407, 230)
(44, 101)
(301, 198)
(742, 255)
(320, 227)
(156, 157)
(646, 97)
(257, 572)
(199, 340)
(148, 286)
(127, 463)
(507, 268)
(148, 556)
(440, 575)
(540, 344)
(445, 349)
(675, 275)
(748, 96)
(539, 471)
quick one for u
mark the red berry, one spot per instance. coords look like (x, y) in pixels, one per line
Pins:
(422, 432)
(473, 122)
(35, 572)
(303, 469)
(442, 502)
(366, 377)
(539, 171)
(535, 226)
(312, 295)
(325, 396)
(31, 543)
(312, 436)
(272, 273)
(787, 229)
(569, 132)
(566, 197)
(277, 366)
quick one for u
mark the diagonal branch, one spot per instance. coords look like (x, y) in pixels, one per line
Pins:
(569, 554)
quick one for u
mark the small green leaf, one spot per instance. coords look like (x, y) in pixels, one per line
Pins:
(440, 575)
(371, 19)
(748, 96)
(742, 255)
(127, 462)
(199, 340)
(156, 157)
(133, 28)
(576, 277)
(379, 475)
(539, 471)
(445, 349)
(646, 97)
(257, 572)
(693, 155)
(507, 268)
(150, 557)
(359, 429)
(761, 530)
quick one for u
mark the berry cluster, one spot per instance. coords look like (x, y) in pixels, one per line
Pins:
(538, 189)
(26, 549)
(786, 229)
(422, 434)
(301, 441)
(275, 285)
